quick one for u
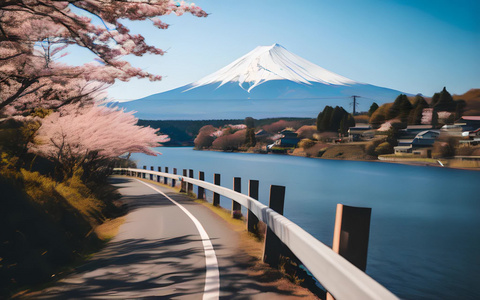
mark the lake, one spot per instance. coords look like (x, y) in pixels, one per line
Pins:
(425, 225)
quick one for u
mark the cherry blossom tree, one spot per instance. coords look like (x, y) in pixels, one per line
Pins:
(280, 125)
(427, 116)
(230, 141)
(35, 33)
(204, 137)
(80, 136)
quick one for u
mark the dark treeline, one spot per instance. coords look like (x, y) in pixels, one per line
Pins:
(410, 111)
(335, 120)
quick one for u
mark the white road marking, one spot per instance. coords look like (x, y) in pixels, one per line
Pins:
(212, 277)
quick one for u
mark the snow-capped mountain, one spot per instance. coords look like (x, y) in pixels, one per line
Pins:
(269, 81)
(266, 63)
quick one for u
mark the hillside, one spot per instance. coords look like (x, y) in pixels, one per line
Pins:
(472, 98)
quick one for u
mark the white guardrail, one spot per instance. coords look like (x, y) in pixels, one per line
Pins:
(337, 275)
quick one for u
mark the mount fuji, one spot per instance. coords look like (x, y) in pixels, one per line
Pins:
(269, 81)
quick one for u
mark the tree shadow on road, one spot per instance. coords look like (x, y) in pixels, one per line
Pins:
(138, 268)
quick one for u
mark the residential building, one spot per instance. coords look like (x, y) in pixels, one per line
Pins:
(360, 132)
(417, 145)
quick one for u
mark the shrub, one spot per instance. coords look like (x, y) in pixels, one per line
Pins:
(306, 143)
(476, 151)
(306, 131)
(384, 148)
(445, 147)
(325, 136)
(372, 145)
(465, 151)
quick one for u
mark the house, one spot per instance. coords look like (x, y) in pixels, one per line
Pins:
(469, 123)
(473, 138)
(416, 145)
(453, 130)
(403, 149)
(261, 133)
(289, 139)
(360, 132)
(427, 135)
(411, 131)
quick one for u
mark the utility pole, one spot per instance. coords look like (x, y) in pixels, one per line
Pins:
(355, 102)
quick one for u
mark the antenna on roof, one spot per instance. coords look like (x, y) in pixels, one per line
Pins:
(355, 102)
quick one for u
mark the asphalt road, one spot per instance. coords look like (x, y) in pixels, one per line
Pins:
(160, 252)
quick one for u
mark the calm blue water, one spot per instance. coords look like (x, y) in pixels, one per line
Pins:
(425, 226)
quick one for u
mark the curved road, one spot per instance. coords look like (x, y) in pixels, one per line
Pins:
(161, 252)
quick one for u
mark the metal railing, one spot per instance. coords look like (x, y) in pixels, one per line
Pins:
(337, 275)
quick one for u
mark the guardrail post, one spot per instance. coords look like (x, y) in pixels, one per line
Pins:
(151, 175)
(201, 190)
(183, 184)
(190, 185)
(165, 179)
(174, 182)
(252, 220)
(144, 174)
(158, 177)
(237, 207)
(351, 234)
(273, 245)
(216, 197)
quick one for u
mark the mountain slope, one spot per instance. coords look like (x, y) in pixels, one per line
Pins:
(266, 63)
(266, 82)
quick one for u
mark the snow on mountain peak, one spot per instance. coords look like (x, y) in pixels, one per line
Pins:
(273, 62)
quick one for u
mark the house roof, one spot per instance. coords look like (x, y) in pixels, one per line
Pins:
(360, 128)
(261, 132)
(426, 131)
(417, 127)
(471, 118)
(405, 141)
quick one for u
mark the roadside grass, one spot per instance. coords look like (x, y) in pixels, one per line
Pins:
(76, 194)
(109, 229)
(48, 229)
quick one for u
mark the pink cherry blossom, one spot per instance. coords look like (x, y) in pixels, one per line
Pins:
(79, 135)
(34, 34)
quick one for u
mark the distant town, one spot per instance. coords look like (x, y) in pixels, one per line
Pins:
(443, 131)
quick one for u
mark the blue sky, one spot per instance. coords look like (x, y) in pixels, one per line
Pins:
(415, 46)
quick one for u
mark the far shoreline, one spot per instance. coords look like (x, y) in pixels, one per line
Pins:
(397, 161)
